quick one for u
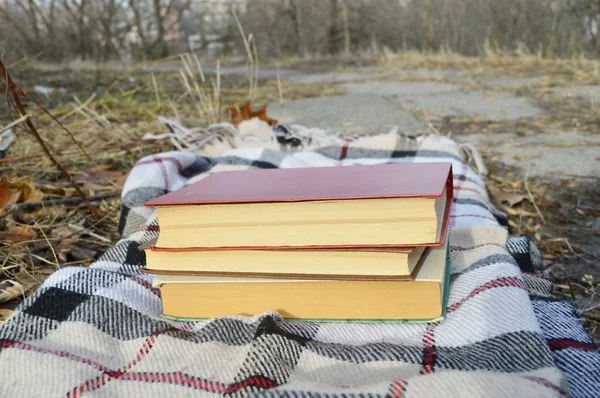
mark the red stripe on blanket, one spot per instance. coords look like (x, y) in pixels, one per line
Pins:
(62, 354)
(199, 383)
(461, 178)
(429, 354)
(344, 151)
(502, 282)
(161, 160)
(546, 383)
(93, 384)
(398, 388)
(149, 228)
(559, 344)
(165, 175)
(142, 282)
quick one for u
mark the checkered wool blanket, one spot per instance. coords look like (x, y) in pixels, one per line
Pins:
(97, 331)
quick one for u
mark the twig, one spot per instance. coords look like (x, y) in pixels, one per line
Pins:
(12, 89)
(248, 53)
(102, 120)
(90, 233)
(218, 90)
(531, 195)
(135, 143)
(24, 93)
(155, 89)
(79, 107)
(64, 201)
(280, 92)
(570, 285)
(50, 246)
(13, 124)
(591, 317)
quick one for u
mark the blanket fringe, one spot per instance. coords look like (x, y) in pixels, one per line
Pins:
(472, 155)
(217, 138)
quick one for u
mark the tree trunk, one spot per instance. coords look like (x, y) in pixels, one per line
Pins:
(82, 30)
(295, 14)
(160, 27)
(140, 28)
(345, 18)
(332, 31)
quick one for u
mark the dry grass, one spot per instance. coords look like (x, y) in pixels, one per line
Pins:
(43, 225)
(495, 63)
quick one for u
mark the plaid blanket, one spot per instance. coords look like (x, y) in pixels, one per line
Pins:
(97, 331)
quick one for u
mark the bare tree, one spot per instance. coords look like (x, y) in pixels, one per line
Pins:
(147, 29)
(295, 12)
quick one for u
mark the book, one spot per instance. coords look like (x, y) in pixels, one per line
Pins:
(384, 205)
(372, 263)
(423, 299)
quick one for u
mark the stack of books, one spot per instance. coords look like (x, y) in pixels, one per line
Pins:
(361, 242)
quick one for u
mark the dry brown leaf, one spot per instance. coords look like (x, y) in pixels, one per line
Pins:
(5, 313)
(5, 194)
(61, 232)
(100, 178)
(21, 233)
(19, 191)
(10, 290)
(245, 112)
(29, 191)
(511, 199)
(47, 270)
(92, 186)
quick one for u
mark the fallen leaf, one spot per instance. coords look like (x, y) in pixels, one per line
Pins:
(82, 254)
(4, 314)
(92, 186)
(511, 198)
(18, 191)
(21, 233)
(10, 290)
(245, 112)
(5, 194)
(62, 232)
(47, 270)
(29, 191)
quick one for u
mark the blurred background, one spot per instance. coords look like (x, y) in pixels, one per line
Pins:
(134, 30)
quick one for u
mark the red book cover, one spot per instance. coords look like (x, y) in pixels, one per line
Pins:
(389, 180)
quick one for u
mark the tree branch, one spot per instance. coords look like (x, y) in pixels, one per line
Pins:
(12, 88)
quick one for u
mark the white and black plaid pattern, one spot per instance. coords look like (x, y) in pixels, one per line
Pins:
(98, 331)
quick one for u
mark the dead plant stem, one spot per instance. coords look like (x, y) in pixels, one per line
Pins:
(13, 88)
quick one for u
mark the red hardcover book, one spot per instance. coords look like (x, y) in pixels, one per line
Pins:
(384, 205)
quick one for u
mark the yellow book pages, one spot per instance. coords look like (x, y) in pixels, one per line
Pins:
(377, 263)
(360, 222)
(207, 297)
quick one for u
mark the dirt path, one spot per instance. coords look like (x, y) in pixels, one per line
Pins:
(511, 120)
